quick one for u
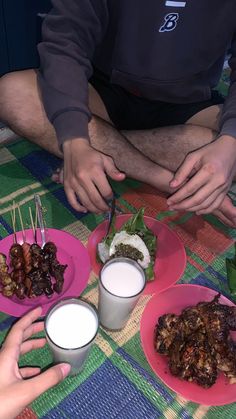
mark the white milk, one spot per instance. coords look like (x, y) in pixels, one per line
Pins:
(122, 279)
(120, 285)
(72, 326)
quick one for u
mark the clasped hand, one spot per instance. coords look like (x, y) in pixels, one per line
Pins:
(204, 179)
(16, 392)
(85, 176)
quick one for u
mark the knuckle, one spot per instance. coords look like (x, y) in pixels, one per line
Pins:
(222, 179)
(73, 183)
(81, 175)
(191, 156)
(211, 168)
(109, 159)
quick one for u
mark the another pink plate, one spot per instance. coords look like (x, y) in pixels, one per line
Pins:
(71, 252)
(174, 300)
(170, 259)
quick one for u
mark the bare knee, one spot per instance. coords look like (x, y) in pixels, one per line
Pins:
(20, 104)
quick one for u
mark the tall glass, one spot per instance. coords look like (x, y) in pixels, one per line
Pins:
(71, 326)
(121, 282)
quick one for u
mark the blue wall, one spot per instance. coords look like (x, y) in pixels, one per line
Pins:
(20, 30)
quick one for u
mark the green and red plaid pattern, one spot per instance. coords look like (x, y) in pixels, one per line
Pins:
(117, 381)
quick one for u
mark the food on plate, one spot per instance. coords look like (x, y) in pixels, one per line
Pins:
(34, 271)
(133, 240)
(198, 343)
(6, 282)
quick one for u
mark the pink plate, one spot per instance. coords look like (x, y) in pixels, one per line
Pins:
(170, 260)
(71, 252)
(174, 300)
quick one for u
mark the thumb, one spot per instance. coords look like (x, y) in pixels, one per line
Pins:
(112, 171)
(184, 171)
(34, 387)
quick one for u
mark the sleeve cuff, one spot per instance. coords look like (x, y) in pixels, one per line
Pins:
(229, 128)
(71, 124)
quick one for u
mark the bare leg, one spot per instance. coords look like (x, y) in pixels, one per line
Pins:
(21, 108)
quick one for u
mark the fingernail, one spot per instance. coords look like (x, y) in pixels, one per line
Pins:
(38, 307)
(65, 369)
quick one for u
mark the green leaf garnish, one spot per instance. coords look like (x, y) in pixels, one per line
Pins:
(136, 225)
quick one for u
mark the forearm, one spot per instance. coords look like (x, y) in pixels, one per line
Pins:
(228, 117)
(71, 33)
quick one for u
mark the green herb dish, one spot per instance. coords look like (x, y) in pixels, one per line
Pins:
(133, 240)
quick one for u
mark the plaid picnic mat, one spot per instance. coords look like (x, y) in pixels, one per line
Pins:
(117, 381)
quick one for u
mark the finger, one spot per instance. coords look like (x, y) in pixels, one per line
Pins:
(223, 218)
(228, 210)
(112, 170)
(201, 199)
(34, 387)
(72, 198)
(184, 171)
(16, 335)
(29, 372)
(190, 188)
(210, 207)
(95, 194)
(33, 329)
(102, 184)
(32, 344)
(85, 198)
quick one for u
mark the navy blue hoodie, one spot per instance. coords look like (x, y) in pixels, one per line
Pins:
(166, 50)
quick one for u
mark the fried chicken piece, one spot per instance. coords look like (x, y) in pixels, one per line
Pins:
(231, 318)
(165, 332)
(192, 360)
(198, 342)
(191, 320)
(218, 320)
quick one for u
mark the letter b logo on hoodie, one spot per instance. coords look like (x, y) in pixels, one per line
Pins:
(170, 22)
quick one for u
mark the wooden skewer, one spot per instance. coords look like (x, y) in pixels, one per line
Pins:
(36, 224)
(13, 220)
(21, 222)
(32, 225)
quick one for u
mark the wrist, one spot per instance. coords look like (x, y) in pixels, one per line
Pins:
(75, 142)
(227, 139)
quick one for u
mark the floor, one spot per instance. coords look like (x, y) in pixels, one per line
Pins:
(6, 135)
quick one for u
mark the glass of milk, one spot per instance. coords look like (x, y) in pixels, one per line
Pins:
(121, 282)
(71, 326)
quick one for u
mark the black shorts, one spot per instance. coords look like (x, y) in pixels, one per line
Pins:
(130, 112)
